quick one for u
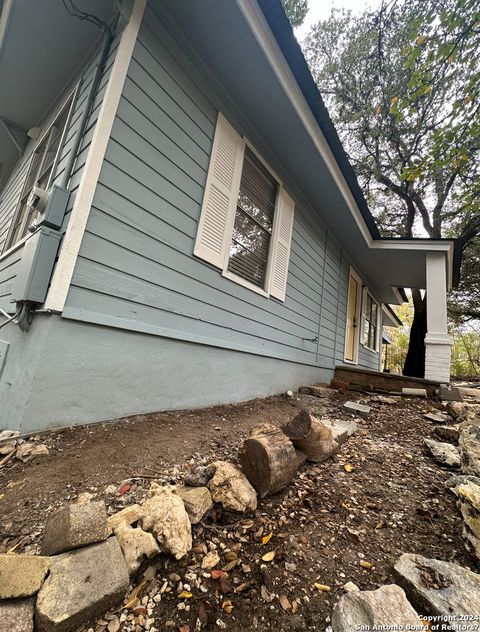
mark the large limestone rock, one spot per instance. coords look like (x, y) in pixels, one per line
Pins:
(82, 585)
(75, 526)
(387, 606)
(136, 545)
(129, 515)
(22, 575)
(16, 615)
(361, 410)
(341, 429)
(438, 588)
(450, 434)
(197, 501)
(469, 442)
(165, 516)
(443, 453)
(230, 487)
(469, 505)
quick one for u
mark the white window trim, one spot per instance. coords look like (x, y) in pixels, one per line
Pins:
(265, 290)
(366, 292)
(8, 247)
(358, 316)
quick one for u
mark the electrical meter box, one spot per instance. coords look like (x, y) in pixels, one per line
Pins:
(36, 266)
(56, 207)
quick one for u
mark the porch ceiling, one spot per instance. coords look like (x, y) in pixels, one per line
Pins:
(220, 36)
(41, 49)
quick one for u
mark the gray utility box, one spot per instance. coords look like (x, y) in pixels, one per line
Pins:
(56, 207)
(36, 266)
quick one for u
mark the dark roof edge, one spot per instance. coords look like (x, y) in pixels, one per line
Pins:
(391, 311)
(283, 33)
(403, 294)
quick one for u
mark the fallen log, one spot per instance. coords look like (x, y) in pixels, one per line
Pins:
(268, 459)
(309, 435)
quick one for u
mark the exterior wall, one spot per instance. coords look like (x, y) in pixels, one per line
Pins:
(11, 193)
(136, 269)
(84, 373)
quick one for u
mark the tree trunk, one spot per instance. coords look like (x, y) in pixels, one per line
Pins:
(268, 459)
(311, 437)
(415, 361)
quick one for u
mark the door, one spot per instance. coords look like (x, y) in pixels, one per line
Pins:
(351, 333)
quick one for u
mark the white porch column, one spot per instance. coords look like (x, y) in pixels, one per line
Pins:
(437, 340)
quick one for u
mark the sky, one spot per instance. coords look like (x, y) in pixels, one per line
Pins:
(320, 10)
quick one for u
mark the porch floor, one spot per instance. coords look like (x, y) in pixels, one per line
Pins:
(380, 381)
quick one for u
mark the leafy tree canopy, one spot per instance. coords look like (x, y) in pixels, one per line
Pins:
(296, 11)
(403, 84)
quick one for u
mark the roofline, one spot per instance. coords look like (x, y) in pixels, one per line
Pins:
(5, 14)
(386, 307)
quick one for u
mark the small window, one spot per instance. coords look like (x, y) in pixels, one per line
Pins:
(39, 174)
(370, 323)
(252, 230)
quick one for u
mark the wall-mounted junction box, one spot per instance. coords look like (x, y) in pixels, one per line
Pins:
(56, 207)
(36, 266)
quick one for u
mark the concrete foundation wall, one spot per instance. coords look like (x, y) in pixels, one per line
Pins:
(64, 372)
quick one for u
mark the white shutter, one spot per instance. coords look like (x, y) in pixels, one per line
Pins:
(221, 194)
(281, 245)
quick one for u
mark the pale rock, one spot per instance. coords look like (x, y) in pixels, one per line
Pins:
(136, 545)
(455, 409)
(82, 585)
(414, 392)
(74, 526)
(382, 399)
(7, 446)
(350, 587)
(16, 615)
(129, 515)
(197, 501)
(469, 442)
(443, 453)
(469, 505)
(461, 479)
(22, 575)
(230, 487)
(210, 560)
(361, 410)
(437, 418)
(316, 391)
(375, 610)
(8, 434)
(165, 516)
(26, 451)
(450, 590)
(341, 428)
(84, 498)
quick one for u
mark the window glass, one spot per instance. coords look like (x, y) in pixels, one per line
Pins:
(252, 230)
(370, 324)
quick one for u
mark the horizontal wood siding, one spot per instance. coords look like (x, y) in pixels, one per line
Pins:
(136, 268)
(8, 273)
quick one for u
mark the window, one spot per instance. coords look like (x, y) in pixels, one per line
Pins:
(252, 230)
(40, 173)
(246, 222)
(370, 323)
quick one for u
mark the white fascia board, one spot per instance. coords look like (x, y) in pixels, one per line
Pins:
(267, 42)
(4, 21)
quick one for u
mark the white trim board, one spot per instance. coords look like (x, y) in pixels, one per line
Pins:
(72, 240)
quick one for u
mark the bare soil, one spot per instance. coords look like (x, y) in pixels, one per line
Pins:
(331, 526)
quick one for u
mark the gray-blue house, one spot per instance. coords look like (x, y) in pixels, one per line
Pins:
(179, 224)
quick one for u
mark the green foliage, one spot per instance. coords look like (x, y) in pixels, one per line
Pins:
(296, 11)
(403, 87)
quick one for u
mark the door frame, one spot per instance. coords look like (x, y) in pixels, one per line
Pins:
(356, 336)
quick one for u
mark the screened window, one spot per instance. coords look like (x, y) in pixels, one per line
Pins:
(252, 232)
(39, 174)
(370, 323)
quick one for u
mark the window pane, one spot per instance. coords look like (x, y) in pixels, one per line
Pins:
(253, 221)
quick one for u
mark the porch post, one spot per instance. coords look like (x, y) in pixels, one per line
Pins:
(437, 340)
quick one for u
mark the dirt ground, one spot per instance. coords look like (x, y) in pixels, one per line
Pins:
(331, 526)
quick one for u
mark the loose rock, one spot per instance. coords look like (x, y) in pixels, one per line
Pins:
(136, 545)
(469, 505)
(450, 393)
(438, 588)
(16, 615)
(386, 606)
(74, 526)
(210, 560)
(82, 584)
(444, 453)
(231, 489)
(199, 476)
(438, 418)
(469, 442)
(316, 391)
(362, 410)
(450, 434)
(414, 392)
(8, 434)
(22, 575)
(341, 428)
(165, 516)
(129, 515)
(197, 501)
